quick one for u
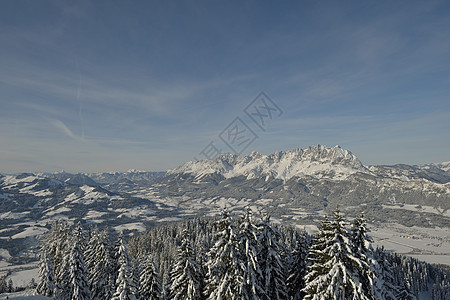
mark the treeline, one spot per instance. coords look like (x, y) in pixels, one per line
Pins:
(231, 258)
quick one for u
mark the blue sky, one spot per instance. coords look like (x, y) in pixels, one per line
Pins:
(112, 85)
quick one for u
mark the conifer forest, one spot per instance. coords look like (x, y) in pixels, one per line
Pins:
(231, 257)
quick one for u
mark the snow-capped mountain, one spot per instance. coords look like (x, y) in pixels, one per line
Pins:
(316, 161)
(314, 179)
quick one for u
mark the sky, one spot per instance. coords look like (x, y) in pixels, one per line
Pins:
(93, 86)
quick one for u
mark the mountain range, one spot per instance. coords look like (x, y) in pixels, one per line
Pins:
(295, 186)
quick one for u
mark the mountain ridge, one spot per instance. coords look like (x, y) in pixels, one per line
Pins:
(321, 162)
(317, 161)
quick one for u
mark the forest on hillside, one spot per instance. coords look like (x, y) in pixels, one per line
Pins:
(231, 257)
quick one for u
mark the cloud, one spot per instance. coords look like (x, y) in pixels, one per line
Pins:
(64, 129)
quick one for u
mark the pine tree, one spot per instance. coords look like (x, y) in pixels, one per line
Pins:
(186, 277)
(271, 263)
(224, 270)
(125, 290)
(150, 285)
(297, 272)
(114, 245)
(63, 284)
(80, 236)
(385, 271)
(10, 286)
(59, 248)
(56, 245)
(46, 286)
(136, 269)
(91, 249)
(32, 284)
(100, 265)
(3, 284)
(79, 275)
(333, 272)
(251, 287)
(371, 284)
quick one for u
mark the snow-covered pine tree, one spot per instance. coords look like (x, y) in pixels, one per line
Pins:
(57, 244)
(251, 287)
(125, 288)
(297, 271)
(114, 256)
(62, 270)
(224, 270)
(186, 276)
(202, 260)
(91, 248)
(273, 269)
(369, 269)
(80, 235)
(100, 265)
(385, 271)
(333, 271)
(136, 269)
(78, 273)
(150, 285)
(46, 286)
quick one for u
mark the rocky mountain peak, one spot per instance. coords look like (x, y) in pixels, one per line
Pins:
(317, 161)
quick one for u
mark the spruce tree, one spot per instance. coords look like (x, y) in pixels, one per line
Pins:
(46, 286)
(100, 265)
(372, 285)
(125, 288)
(136, 269)
(61, 246)
(298, 269)
(3, 284)
(91, 249)
(63, 283)
(334, 271)
(186, 276)
(385, 271)
(80, 235)
(78, 274)
(150, 285)
(57, 245)
(224, 269)
(251, 287)
(114, 245)
(273, 268)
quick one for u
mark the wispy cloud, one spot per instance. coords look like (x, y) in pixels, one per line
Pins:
(64, 129)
